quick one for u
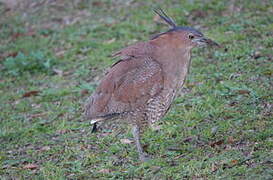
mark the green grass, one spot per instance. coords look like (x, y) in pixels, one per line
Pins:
(220, 128)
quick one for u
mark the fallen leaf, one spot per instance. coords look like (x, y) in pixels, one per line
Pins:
(30, 33)
(97, 3)
(104, 171)
(31, 166)
(17, 35)
(45, 148)
(198, 14)
(83, 147)
(243, 91)
(188, 139)
(58, 71)
(8, 54)
(230, 140)
(37, 115)
(217, 143)
(62, 131)
(31, 93)
(126, 141)
(60, 115)
(110, 41)
(234, 162)
(60, 53)
(12, 54)
(155, 169)
(84, 92)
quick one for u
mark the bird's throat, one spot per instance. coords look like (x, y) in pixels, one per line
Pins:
(175, 66)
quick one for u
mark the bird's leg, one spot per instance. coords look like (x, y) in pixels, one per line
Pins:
(94, 129)
(97, 127)
(136, 133)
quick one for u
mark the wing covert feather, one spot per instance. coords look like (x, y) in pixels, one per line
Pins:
(131, 82)
(142, 83)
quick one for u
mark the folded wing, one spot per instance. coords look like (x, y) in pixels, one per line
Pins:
(128, 85)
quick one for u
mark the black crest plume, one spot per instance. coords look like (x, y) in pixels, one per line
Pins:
(165, 17)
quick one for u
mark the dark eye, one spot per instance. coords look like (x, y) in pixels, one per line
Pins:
(191, 36)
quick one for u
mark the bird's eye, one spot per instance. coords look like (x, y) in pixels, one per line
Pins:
(191, 36)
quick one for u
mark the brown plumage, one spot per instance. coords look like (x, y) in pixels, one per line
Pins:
(141, 86)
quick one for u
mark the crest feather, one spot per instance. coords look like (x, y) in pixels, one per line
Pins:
(165, 17)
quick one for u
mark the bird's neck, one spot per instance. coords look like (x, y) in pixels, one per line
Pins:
(175, 62)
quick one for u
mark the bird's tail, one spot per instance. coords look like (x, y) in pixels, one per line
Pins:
(107, 117)
(104, 118)
(98, 119)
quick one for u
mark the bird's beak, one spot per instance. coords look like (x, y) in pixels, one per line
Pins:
(204, 41)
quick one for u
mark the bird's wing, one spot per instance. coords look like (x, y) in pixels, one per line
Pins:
(140, 49)
(140, 84)
(130, 83)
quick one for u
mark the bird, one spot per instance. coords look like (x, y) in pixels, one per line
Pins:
(140, 87)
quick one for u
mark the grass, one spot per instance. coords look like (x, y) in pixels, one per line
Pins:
(221, 127)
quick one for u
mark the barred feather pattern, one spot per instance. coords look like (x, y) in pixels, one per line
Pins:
(157, 107)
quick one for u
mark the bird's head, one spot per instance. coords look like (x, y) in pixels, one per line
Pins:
(186, 36)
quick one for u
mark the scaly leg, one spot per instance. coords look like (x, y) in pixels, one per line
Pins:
(136, 133)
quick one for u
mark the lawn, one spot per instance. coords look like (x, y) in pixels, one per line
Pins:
(53, 54)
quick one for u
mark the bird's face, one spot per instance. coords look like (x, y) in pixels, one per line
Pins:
(182, 39)
(192, 38)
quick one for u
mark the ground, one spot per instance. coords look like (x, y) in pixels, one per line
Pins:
(53, 53)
